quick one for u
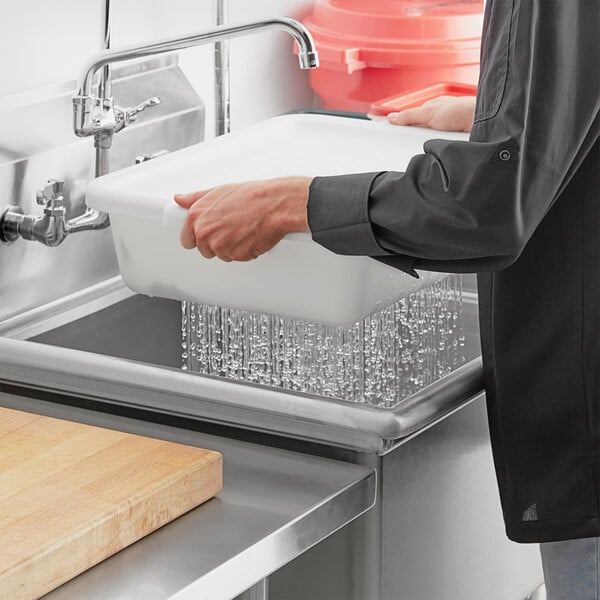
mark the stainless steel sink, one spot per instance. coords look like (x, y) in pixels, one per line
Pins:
(436, 530)
(85, 355)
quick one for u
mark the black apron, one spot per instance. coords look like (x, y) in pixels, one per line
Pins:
(517, 204)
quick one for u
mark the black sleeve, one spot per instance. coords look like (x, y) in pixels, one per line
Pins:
(472, 206)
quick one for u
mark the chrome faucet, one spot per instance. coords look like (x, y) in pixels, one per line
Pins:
(98, 116)
(93, 115)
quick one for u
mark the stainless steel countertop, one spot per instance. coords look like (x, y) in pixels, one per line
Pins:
(274, 505)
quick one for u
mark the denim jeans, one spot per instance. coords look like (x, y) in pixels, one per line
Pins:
(571, 569)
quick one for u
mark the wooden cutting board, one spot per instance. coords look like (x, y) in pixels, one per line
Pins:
(71, 495)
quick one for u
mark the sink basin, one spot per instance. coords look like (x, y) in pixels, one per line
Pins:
(298, 278)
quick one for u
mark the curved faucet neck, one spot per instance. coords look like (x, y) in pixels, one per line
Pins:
(308, 55)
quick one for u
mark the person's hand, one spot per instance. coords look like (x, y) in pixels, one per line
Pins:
(446, 113)
(242, 221)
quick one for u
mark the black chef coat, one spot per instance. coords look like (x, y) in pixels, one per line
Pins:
(517, 204)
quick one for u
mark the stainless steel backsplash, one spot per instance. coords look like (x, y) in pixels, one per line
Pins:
(37, 144)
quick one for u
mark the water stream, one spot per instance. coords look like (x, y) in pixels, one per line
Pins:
(380, 360)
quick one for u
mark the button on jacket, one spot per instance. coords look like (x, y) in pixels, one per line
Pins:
(517, 204)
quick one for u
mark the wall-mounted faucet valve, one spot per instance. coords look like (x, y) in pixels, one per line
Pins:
(51, 228)
(100, 118)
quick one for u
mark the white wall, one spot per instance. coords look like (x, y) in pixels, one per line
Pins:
(37, 46)
(44, 42)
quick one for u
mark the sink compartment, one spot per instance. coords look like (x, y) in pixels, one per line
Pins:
(379, 362)
(298, 278)
(139, 328)
(84, 357)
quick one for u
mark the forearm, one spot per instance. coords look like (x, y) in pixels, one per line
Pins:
(423, 214)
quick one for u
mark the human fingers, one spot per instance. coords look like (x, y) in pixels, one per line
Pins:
(195, 233)
(186, 200)
(446, 113)
(412, 116)
(188, 235)
(205, 250)
(192, 237)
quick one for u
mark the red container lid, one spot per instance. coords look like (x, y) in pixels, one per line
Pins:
(389, 33)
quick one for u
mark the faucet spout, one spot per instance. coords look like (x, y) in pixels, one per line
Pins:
(307, 57)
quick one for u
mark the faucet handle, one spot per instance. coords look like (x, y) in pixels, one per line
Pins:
(51, 194)
(125, 116)
(132, 113)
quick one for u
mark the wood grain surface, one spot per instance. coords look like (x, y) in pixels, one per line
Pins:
(71, 495)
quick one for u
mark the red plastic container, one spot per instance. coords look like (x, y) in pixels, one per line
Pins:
(415, 98)
(371, 49)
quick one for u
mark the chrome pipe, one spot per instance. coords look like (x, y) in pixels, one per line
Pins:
(105, 89)
(308, 58)
(222, 75)
(93, 219)
(104, 92)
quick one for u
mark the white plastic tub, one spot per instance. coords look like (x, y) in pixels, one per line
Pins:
(298, 278)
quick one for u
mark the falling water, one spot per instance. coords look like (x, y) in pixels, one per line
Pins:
(380, 360)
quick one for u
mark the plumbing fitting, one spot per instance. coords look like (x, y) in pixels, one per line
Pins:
(51, 228)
